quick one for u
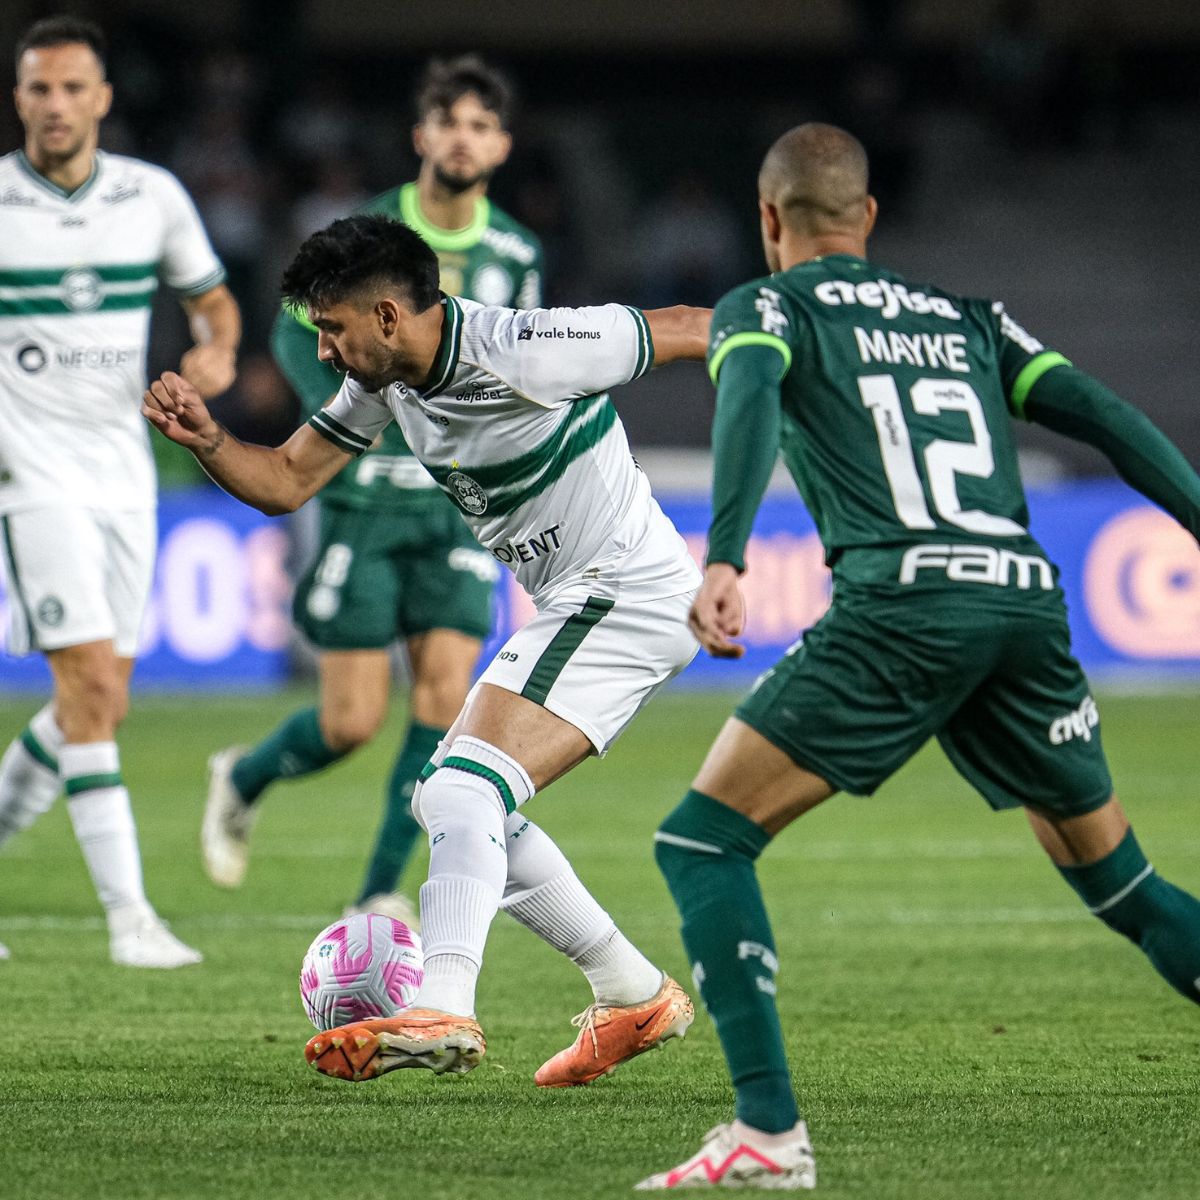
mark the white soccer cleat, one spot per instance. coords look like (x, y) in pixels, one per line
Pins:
(388, 904)
(4, 952)
(138, 938)
(228, 819)
(737, 1156)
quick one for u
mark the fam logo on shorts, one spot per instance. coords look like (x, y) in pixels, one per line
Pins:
(81, 290)
(50, 611)
(467, 492)
(31, 358)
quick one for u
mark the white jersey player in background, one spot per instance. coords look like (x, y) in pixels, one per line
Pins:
(84, 237)
(506, 410)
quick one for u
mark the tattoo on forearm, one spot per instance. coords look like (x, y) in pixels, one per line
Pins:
(218, 440)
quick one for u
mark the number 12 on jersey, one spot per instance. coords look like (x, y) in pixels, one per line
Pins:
(943, 460)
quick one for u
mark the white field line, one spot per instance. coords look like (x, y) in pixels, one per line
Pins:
(864, 918)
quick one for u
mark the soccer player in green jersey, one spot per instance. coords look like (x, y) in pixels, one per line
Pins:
(417, 574)
(892, 404)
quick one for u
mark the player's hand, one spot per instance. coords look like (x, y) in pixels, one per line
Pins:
(174, 407)
(718, 613)
(210, 369)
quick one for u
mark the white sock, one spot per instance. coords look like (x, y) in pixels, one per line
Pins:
(29, 782)
(100, 812)
(545, 895)
(462, 807)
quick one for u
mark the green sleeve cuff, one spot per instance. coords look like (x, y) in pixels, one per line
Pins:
(1032, 371)
(749, 339)
(645, 347)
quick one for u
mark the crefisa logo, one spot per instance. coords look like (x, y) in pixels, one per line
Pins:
(31, 358)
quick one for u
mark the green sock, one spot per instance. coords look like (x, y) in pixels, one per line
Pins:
(1128, 895)
(296, 748)
(706, 850)
(399, 831)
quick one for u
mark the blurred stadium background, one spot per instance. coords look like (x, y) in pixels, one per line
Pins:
(1041, 151)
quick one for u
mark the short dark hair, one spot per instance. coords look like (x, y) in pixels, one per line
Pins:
(447, 80)
(355, 254)
(62, 31)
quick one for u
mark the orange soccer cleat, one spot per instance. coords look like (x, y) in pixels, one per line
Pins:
(611, 1034)
(418, 1037)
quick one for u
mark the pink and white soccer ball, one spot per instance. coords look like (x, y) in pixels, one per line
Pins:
(360, 967)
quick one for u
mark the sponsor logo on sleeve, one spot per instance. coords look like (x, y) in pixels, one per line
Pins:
(767, 306)
(554, 334)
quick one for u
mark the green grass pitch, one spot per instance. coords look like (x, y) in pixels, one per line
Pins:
(958, 1027)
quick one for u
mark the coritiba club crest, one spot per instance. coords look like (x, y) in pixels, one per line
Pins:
(470, 496)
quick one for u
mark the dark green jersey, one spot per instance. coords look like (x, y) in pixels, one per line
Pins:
(493, 260)
(896, 404)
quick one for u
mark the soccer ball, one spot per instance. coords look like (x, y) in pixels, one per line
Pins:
(360, 967)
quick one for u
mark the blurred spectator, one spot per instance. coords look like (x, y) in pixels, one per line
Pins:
(875, 106)
(687, 247)
(338, 191)
(321, 121)
(219, 166)
(1015, 69)
(538, 199)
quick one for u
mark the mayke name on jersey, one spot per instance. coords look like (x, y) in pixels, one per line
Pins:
(948, 350)
(890, 298)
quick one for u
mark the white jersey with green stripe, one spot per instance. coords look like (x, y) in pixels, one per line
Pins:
(78, 274)
(516, 427)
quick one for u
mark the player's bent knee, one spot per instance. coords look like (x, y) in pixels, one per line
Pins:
(471, 766)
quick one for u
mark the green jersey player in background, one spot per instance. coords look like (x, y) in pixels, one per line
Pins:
(893, 406)
(84, 239)
(395, 560)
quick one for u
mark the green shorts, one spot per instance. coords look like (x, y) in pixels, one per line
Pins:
(381, 576)
(869, 684)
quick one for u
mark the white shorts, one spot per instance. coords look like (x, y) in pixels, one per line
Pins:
(76, 575)
(595, 662)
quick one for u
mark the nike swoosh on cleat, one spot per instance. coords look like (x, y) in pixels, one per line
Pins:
(640, 1025)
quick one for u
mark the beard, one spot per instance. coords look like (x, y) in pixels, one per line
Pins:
(384, 369)
(66, 153)
(374, 382)
(457, 184)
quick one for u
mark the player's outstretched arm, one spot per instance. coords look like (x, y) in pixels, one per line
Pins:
(210, 366)
(1072, 403)
(274, 480)
(679, 332)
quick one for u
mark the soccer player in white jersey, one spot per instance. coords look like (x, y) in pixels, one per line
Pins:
(507, 410)
(84, 237)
